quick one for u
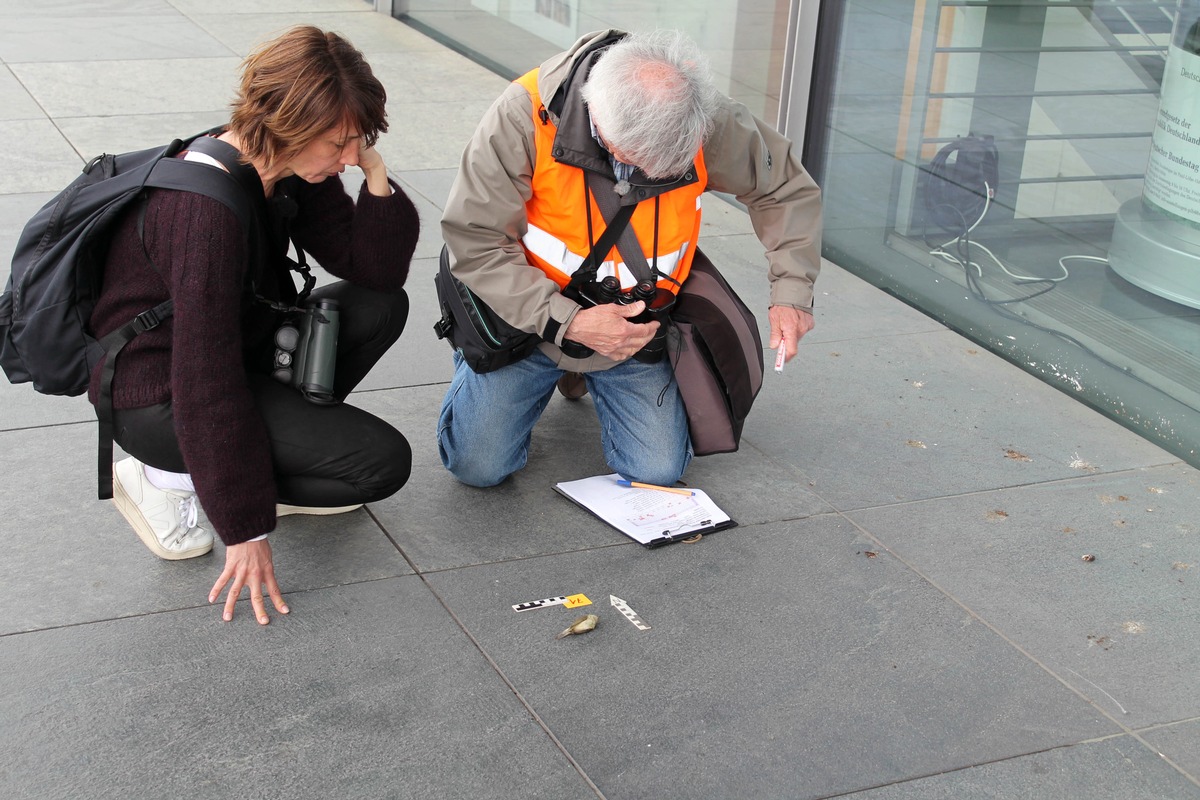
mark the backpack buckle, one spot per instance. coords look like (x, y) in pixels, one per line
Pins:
(148, 320)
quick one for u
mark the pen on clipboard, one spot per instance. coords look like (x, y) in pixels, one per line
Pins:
(636, 485)
(780, 356)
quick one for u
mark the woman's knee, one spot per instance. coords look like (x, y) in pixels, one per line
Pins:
(367, 315)
(379, 317)
(389, 464)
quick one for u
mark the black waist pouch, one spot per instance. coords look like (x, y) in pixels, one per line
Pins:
(486, 342)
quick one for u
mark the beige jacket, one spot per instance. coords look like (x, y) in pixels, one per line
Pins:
(484, 218)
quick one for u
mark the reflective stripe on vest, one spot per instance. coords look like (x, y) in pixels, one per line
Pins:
(552, 251)
(557, 237)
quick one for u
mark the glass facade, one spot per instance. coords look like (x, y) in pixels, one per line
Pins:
(983, 161)
(977, 156)
(744, 39)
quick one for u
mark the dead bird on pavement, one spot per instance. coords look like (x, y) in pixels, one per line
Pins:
(582, 625)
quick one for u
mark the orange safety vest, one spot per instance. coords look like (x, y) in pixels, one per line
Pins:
(557, 237)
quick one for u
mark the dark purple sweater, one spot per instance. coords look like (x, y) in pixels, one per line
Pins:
(195, 358)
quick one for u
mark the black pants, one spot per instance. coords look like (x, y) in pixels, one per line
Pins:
(334, 455)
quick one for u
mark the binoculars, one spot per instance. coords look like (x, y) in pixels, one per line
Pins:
(608, 290)
(306, 351)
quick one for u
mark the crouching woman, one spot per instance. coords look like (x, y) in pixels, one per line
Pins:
(195, 406)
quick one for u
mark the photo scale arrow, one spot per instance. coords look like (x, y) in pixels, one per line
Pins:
(630, 614)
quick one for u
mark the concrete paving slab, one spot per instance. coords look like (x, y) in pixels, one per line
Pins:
(21, 9)
(72, 559)
(68, 88)
(440, 76)
(1180, 743)
(419, 358)
(254, 7)
(1014, 557)
(44, 163)
(429, 245)
(745, 685)
(753, 488)
(91, 136)
(15, 211)
(366, 691)
(25, 408)
(105, 37)
(370, 33)
(925, 415)
(459, 525)
(15, 102)
(408, 132)
(522, 517)
(722, 218)
(434, 186)
(1114, 769)
(786, 629)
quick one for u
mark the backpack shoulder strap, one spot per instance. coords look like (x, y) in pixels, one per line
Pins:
(237, 189)
(231, 188)
(229, 157)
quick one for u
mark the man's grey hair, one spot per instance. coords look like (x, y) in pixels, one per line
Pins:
(652, 97)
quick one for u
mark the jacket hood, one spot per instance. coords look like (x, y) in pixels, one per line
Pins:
(553, 74)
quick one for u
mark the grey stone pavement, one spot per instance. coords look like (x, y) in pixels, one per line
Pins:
(903, 612)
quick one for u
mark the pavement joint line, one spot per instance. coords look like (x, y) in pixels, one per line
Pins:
(529, 709)
(515, 559)
(974, 765)
(1132, 732)
(1160, 725)
(47, 425)
(388, 535)
(199, 606)
(1000, 489)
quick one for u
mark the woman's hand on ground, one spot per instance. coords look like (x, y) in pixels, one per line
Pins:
(249, 564)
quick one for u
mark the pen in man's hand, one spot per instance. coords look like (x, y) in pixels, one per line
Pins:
(780, 356)
(636, 485)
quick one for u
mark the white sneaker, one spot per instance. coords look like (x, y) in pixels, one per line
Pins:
(165, 519)
(283, 509)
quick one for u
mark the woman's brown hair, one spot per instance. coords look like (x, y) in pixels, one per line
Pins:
(299, 85)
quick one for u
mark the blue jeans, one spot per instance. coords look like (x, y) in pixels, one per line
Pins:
(487, 420)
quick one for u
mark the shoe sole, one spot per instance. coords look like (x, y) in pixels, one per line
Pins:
(285, 510)
(141, 527)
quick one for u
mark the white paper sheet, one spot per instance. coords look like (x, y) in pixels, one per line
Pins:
(648, 516)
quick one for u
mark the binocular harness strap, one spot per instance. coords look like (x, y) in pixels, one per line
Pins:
(627, 242)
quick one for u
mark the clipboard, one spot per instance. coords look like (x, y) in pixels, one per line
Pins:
(650, 517)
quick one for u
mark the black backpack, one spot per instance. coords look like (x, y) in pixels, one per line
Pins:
(58, 263)
(959, 182)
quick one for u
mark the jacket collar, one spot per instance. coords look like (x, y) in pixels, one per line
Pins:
(574, 144)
